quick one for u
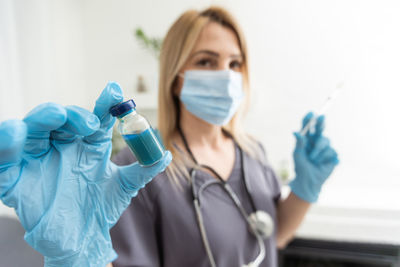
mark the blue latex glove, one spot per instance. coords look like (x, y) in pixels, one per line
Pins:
(314, 160)
(56, 173)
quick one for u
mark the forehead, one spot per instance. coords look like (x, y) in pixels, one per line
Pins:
(218, 38)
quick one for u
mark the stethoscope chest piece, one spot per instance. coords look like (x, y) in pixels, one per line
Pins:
(262, 223)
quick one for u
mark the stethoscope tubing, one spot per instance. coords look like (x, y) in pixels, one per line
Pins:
(196, 203)
(235, 199)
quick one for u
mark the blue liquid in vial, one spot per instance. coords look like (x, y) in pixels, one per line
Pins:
(145, 146)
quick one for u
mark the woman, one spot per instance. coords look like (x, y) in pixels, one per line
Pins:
(203, 94)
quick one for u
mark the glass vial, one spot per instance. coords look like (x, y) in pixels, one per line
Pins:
(138, 134)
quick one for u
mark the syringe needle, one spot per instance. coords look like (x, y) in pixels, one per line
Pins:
(324, 108)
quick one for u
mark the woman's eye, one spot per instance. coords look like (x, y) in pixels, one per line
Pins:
(204, 63)
(235, 65)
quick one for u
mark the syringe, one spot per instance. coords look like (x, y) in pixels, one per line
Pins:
(323, 109)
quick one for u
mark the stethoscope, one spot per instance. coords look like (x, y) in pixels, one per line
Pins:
(260, 222)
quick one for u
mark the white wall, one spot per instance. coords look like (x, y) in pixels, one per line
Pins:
(113, 53)
(9, 64)
(49, 53)
(299, 51)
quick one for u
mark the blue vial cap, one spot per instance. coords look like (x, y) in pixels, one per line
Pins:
(122, 108)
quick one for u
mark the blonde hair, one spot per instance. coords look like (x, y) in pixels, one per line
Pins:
(177, 46)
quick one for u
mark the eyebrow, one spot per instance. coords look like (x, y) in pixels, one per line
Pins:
(215, 54)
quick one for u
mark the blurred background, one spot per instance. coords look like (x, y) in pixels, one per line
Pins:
(66, 51)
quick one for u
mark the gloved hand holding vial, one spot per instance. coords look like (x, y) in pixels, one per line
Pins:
(55, 171)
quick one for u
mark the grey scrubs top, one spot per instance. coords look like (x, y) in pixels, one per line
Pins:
(159, 228)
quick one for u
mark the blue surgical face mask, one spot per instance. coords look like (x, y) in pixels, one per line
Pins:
(213, 96)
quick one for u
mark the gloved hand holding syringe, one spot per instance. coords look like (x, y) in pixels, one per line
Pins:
(313, 156)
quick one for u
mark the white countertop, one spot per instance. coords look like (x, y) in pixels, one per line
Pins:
(353, 225)
(341, 221)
